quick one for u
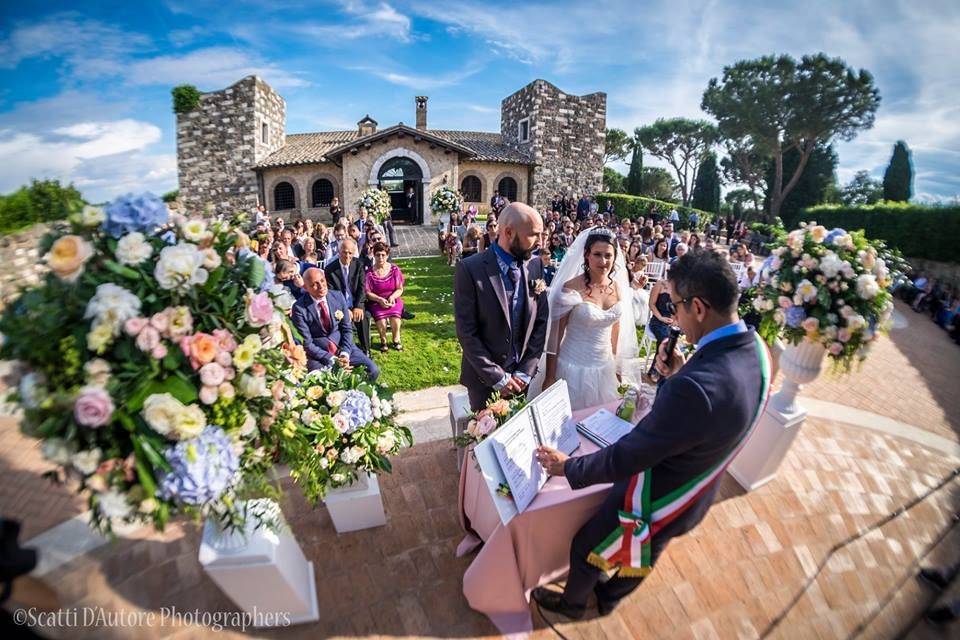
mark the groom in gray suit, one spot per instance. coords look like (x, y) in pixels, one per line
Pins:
(501, 311)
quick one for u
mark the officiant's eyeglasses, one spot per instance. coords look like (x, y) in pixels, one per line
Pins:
(672, 305)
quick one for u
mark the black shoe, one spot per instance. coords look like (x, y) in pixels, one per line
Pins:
(605, 608)
(553, 601)
(934, 578)
(941, 615)
(407, 315)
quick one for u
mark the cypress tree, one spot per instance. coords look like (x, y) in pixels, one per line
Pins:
(898, 178)
(635, 177)
(706, 189)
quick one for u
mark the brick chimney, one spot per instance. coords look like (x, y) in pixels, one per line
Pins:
(367, 125)
(422, 112)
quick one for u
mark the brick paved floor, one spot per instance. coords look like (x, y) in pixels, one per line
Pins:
(416, 241)
(729, 578)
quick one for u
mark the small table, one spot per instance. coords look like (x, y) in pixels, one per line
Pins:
(533, 549)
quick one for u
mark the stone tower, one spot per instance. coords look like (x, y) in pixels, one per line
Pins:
(562, 134)
(220, 141)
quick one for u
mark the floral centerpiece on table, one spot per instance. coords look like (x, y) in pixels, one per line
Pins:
(339, 425)
(445, 201)
(490, 418)
(376, 202)
(153, 364)
(829, 287)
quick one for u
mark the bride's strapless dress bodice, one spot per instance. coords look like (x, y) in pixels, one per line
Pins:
(586, 339)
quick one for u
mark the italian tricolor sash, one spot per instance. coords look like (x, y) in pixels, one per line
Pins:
(628, 546)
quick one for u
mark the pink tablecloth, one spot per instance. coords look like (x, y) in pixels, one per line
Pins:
(533, 549)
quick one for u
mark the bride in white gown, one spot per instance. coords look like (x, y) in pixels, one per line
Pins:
(591, 333)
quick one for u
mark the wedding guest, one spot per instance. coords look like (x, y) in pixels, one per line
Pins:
(346, 275)
(694, 242)
(490, 237)
(559, 248)
(336, 211)
(353, 231)
(549, 266)
(681, 251)
(362, 222)
(322, 318)
(660, 251)
(641, 295)
(309, 258)
(471, 241)
(339, 235)
(661, 312)
(384, 287)
(288, 275)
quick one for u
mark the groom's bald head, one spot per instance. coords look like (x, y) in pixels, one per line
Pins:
(520, 229)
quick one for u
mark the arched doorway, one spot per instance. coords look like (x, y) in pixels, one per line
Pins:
(402, 178)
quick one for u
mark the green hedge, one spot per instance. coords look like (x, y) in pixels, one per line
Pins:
(42, 201)
(918, 231)
(634, 206)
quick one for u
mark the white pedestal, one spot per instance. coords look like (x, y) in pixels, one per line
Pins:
(459, 404)
(356, 507)
(264, 573)
(758, 461)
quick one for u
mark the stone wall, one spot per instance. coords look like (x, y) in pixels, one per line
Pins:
(566, 141)
(302, 178)
(490, 174)
(20, 263)
(219, 142)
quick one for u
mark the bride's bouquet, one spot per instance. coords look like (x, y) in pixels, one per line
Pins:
(152, 355)
(484, 422)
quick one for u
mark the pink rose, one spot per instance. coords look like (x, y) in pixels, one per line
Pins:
(224, 359)
(211, 374)
(260, 309)
(225, 339)
(784, 302)
(258, 370)
(229, 373)
(208, 395)
(159, 352)
(134, 326)
(844, 335)
(148, 339)
(93, 407)
(810, 325)
(836, 349)
(486, 424)
(160, 321)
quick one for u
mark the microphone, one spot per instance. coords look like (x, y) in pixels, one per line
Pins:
(671, 345)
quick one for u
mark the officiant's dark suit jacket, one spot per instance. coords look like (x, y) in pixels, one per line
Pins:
(700, 414)
(306, 318)
(482, 318)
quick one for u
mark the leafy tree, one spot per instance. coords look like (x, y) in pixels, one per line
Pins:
(616, 146)
(634, 183)
(613, 181)
(898, 178)
(42, 201)
(784, 106)
(681, 143)
(659, 184)
(813, 184)
(862, 189)
(744, 165)
(706, 190)
(186, 97)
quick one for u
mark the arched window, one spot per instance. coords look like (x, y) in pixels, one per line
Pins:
(508, 188)
(283, 197)
(471, 189)
(322, 193)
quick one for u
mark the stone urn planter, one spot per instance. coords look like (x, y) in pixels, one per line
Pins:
(801, 364)
(356, 506)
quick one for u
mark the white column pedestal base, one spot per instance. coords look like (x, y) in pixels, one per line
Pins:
(758, 461)
(265, 574)
(359, 506)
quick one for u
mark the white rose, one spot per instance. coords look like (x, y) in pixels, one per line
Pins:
(133, 248)
(113, 504)
(180, 267)
(249, 424)
(161, 411)
(212, 374)
(194, 230)
(190, 422)
(112, 305)
(386, 408)
(92, 216)
(282, 298)
(86, 462)
(830, 265)
(867, 287)
(335, 398)
(253, 386)
(309, 415)
(211, 259)
(386, 442)
(97, 372)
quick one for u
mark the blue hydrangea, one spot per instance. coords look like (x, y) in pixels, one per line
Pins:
(356, 409)
(795, 315)
(129, 213)
(834, 234)
(203, 468)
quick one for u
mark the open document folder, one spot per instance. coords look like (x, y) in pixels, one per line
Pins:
(508, 456)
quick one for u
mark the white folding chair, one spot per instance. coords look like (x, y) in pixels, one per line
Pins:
(648, 343)
(655, 271)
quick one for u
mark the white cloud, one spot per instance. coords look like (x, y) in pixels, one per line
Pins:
(420, 82)
(210, 68)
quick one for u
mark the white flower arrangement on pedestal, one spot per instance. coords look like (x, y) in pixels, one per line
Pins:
(445, 201)
(376, 202)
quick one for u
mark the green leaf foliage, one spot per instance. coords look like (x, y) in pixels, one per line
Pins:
(186, 97)
(898, 178)
(632, 207)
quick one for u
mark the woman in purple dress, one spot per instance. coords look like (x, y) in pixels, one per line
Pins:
(384, 286)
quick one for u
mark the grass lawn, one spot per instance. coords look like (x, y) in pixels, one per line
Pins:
(431, 353)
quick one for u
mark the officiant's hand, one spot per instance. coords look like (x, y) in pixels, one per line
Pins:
(551, 460)
(676, 360)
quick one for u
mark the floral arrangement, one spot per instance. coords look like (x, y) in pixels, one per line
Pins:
(445, 201)
(490, 418)
(339, 425)
(826, 286)
(155, 366)
(376, 202)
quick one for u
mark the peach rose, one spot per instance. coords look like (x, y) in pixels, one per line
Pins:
(500, 408)
(67, 257)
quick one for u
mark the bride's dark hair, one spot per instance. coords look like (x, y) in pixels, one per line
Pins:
(595, 236)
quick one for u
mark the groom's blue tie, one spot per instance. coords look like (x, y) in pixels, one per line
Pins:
(517, 308)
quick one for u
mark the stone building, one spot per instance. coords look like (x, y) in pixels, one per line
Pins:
(233, 152)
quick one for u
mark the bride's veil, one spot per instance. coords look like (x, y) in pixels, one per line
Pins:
(561, 302)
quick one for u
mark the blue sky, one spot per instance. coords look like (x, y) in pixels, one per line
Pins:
(85, 87)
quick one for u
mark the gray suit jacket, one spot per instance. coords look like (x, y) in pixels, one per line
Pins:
(482, 318)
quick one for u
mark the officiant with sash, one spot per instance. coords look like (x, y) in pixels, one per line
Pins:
(501, 310)
(665, 472)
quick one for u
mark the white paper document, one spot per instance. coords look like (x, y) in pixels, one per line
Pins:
(604, 427)
(515, 444)
(554, 418)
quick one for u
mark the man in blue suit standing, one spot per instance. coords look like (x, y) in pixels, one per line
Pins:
(666, 471)
(323, 319)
